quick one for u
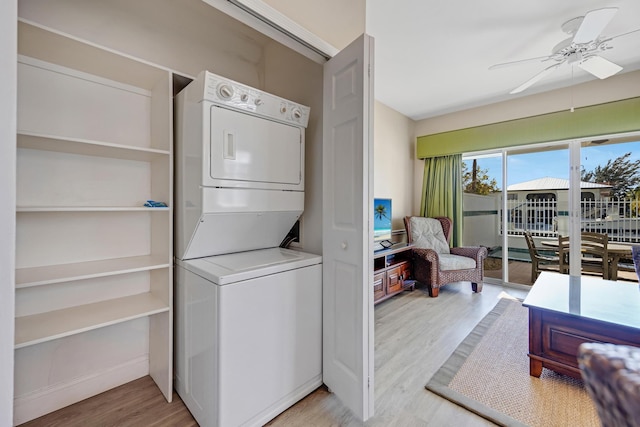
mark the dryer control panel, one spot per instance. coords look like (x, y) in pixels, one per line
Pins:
(223, 91)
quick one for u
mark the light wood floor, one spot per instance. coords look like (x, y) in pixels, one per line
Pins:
(136, 404)
(414, 335)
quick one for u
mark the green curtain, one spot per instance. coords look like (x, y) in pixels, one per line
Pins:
(442, 191)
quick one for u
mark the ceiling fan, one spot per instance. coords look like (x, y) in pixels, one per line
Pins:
(582, 48)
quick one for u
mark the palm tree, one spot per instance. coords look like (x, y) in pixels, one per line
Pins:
(381, 212)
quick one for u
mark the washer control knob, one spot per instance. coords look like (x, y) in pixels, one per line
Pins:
(225, 91)
(258, 101)
(283, 109)
(244, 97)
(297, 113)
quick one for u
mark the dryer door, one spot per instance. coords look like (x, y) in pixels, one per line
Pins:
(246, 151)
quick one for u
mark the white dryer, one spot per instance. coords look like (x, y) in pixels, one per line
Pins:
(248, 313)
(239, 167)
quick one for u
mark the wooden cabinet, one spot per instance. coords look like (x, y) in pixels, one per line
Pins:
(392, 271)
(554, 339)
(93, 264)
(566, 311)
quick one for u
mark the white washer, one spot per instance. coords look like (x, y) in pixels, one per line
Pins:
(248, 334)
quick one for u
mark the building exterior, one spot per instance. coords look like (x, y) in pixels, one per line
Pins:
(542, 205)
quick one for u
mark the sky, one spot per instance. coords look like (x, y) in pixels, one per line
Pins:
(554, 164)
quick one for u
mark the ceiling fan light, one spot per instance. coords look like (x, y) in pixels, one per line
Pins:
(599, 67)
(574, 57)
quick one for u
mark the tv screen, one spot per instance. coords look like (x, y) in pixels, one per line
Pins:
(381, 219)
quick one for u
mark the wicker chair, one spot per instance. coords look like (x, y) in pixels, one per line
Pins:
(434, 263)
(611, 375)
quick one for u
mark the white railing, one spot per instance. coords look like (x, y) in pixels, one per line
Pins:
(538, 216)
(619, 218)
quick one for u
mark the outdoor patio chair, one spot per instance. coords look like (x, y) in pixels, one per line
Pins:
(595, 256)
(539, 261)
(435, 263)
(563, 254)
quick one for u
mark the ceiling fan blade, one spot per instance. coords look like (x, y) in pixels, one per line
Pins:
(541, 75)
(593, 24)
(520, 61)
(599, 67)
(623, 34)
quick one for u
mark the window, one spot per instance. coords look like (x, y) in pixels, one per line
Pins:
(541, 196)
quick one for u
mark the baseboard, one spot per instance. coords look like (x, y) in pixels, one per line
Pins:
(285, 403)
(35, 404)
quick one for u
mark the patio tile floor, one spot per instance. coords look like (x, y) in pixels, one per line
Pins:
(520, 272)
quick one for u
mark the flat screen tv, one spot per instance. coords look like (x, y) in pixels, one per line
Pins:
(382, 221)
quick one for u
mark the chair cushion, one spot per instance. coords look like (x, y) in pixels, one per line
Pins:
(426, 233)
(455, 262)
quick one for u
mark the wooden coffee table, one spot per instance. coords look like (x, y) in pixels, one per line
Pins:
(566, 311)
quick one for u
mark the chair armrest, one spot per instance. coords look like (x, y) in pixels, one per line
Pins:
(427, 255)
(476, 252)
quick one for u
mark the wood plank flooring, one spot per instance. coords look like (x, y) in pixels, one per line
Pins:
(136, 404)
(414, 336)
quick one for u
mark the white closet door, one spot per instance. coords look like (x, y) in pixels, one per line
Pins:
(347, 227)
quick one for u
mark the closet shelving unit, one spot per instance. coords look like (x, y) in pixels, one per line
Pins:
(93, 265)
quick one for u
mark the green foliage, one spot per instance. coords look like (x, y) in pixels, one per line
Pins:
(381, 212)
(621, 173)
(635, 203)
(482, 184)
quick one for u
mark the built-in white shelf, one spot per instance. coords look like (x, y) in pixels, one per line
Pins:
(89, 209)
(39, 328)
(85, 147)
(94, 141)
(51, 274)
(45, 44)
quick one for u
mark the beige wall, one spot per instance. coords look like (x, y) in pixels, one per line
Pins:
(307, 91)
(338, 22)
(186, 36)
(8, 206)
(394, 158)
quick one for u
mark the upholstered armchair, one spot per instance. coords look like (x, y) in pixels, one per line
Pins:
(435, 263)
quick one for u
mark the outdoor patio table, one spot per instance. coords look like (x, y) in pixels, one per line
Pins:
(616, 251)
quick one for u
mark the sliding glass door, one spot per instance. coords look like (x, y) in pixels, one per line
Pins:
(610, 204)
(563, 188)
(537, 203)
(482, 186)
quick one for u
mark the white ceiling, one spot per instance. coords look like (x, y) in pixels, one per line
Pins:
(432, 57)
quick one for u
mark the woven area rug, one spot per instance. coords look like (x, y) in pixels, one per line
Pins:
(489, 374)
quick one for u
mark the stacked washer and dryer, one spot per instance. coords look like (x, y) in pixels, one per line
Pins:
(248, 313)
